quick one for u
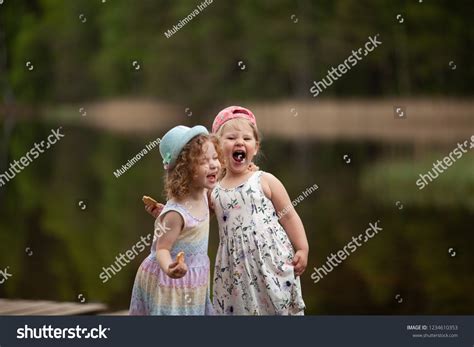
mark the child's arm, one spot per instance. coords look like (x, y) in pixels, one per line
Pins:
(289, 219)
(209, 201)
(172, 224)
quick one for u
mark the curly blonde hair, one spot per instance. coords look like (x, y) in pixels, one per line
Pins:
(178, 179)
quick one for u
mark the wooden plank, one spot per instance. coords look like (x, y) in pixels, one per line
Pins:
(71, 309)
(21, 306)
(30, 307)
(5, 303)
(116, 313)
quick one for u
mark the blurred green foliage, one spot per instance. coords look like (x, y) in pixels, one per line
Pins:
(453, 188)
(75, 60)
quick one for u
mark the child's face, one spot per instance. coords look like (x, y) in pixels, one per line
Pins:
(208, 167)
(238, 145)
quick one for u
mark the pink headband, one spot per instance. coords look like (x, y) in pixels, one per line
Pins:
(232, 112)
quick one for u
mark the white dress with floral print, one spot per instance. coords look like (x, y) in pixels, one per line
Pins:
(253, 274)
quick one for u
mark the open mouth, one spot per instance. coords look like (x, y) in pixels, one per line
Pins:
(212, 178)
(239, 156)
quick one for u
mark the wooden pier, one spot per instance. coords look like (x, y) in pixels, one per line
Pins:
(17, 307)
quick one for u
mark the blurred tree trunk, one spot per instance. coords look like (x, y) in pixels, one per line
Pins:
(303, 74)
(6, 108)
(303, 64)
(404, 87)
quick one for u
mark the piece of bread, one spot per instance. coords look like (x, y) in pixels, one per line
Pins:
(180, 257)
(149, 201)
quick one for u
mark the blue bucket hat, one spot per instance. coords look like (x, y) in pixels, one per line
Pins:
(174, 141)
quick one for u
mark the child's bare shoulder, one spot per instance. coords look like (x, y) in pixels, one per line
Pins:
(173, 219)
(269, 178)
(269, 183)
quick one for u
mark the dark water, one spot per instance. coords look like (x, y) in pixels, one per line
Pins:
(55, 246)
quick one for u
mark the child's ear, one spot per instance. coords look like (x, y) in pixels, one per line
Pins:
(257, 147)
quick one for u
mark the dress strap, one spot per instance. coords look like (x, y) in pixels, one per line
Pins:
(172, 206)
(255, 181)
(182, 209)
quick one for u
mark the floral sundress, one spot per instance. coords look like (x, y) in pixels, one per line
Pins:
(253, 274)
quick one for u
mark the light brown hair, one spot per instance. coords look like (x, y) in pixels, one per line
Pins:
(178, 180)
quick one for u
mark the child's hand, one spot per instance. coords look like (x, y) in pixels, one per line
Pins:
(154, 210)
(177, 269)
(300, 261)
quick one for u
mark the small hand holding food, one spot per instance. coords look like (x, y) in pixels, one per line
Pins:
(152, 206)
(178, 268)
(180, 257)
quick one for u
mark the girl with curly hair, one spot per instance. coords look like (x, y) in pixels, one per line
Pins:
(165, 284)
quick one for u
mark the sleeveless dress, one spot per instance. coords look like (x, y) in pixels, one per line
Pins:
(154, 293)
(253, 274)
